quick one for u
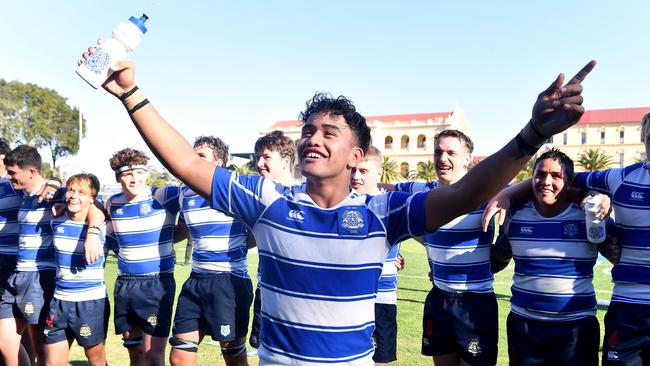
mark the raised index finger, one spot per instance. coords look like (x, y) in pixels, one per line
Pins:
(582, 74)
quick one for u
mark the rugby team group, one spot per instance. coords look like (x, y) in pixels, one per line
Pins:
(328, 247)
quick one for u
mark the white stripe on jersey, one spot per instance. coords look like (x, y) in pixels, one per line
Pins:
(319, 267)
(387, 286)
(35, 247)
(629, 188)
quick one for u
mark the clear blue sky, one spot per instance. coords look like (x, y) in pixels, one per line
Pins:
(231, 68)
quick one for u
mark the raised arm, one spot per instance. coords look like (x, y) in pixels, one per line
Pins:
(173, 151)
(556, 109)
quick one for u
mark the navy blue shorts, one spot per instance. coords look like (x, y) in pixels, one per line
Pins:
(385, 335)
(217, 304)
(145, 302)
(85, 321)
(257, 319)
(627, 334)
(27, 295)
(536, 342)
(465, 323)
(7, 267)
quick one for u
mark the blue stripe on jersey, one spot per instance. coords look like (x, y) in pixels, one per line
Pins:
(144, 231)
(319, 266)
(629, 188)
(342, 341)
(388, 278)
(459, 251)
(219, 241)
(549, 303)
(554, 267)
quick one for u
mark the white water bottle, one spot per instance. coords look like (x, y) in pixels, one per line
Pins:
(595, 227)
(126, 37)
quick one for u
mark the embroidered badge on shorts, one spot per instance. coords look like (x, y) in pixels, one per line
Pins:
(474, 347)
(29, 308)
(152, 319)
(85, 331)
(225, 330)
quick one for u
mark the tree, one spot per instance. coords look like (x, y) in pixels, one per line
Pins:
(527, 171)
(391, 171)
(425, 171)
(39, 117)
(246, 169)
(158, 178)
(594, 159)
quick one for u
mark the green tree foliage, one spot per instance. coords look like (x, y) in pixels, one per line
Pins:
(594, 159)
(161, 178)
(391, 171)
(527, 171)
(425, 171)
(246, 169)
(39, 117)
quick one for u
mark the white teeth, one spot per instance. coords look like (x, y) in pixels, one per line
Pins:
(313, 156)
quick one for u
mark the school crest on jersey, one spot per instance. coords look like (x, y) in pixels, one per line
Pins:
(225, 330)
(152, 319)
(85, 331)
(474, 347)
(570, 230)
(145, 208)
(352, 222)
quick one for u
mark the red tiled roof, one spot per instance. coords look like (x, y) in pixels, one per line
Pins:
(616, 115)
(384, 118)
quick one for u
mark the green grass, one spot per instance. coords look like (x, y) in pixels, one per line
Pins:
(413, 288)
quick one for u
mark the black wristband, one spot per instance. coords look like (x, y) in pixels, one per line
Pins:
(138, 106)
(128, 94)
(525, 147)
(536, 131)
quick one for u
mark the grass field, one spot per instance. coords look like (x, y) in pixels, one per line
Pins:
(413, 288)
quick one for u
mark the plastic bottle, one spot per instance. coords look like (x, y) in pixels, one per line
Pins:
(595, 227)
(126, 38)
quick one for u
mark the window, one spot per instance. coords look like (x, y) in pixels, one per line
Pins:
(422, 142)
(583, 137)
(602, 137)
(404, 169)
(621, 137)
(405, 142)
(388, 142)
(565, 138)
(621, 159)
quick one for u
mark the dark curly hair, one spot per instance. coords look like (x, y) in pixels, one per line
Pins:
(277, 141)
(218, 147)
(128, 156)
(339, 107)
(24, 156)
(561, 158)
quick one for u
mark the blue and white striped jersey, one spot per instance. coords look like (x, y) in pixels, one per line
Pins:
(319, 265)
(10, 201)
(387, 287)
(629, 188)
(144, 231)
(219, 241)
(554, 263)
(35, 246)
(76, 280)
(459, 251)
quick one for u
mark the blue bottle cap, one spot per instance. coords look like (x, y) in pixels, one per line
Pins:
(139, 22)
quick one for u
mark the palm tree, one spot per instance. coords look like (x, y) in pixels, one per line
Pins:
(425, 171)
(391, 171)
(594, 159)
(527, 171)
(246, 169)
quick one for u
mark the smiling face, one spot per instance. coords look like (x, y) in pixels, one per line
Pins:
(451, 158)
(21, 178)
(133, 182)
(328, 148)
(271, 164)
(550, 183)
(78, 198)
(366, 176)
